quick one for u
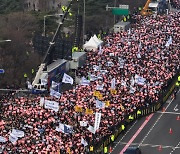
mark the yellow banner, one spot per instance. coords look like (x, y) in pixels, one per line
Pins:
(107, 103)
(96, 93)
(100, 96)
(78, 108)
(89, 111)
(113, 92)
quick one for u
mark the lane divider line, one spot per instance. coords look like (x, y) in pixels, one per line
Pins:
(154, 145)
(167, 112)
(154, 124)
(137, 133)
(124, 135)
(175, 148)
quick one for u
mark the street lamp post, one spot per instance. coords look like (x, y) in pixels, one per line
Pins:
(44, 33)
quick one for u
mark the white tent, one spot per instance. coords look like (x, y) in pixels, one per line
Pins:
(91, 44)
(97, 40)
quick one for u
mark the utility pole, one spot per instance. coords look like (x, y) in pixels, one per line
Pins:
(84, 20)
(114, 15)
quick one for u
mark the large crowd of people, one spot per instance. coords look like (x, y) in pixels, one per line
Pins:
(149, 51)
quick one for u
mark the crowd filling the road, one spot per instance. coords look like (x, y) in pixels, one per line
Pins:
(140, 62)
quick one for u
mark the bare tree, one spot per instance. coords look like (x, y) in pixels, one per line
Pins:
(17, 56)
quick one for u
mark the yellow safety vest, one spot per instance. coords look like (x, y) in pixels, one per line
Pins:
(105, 149)
(25, 75)
(131, 117)
(91, 148)
(32, 71)
(99, 36)
(112, 138)
(177, 83)
(138, 112)
(74, 49)
(122, 127)
(124, 19)
(178, 78)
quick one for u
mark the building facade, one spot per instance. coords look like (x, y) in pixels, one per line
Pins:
(42, 5)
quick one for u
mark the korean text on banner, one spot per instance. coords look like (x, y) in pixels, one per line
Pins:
(67, 79)
(97, 121)
(51, 105)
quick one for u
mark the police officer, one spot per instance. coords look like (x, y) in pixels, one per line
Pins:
(91, 148)
(131, 117)
(105, 150)
(139, 112)
(122, 127)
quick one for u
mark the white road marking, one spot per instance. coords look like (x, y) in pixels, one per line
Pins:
(154, 145)
(175, 148)
(175, 108)
(154, 124)
(124, 135)
(167, 112)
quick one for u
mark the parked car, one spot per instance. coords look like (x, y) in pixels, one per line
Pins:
(132, 150)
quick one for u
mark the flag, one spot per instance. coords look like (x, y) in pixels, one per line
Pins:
(97, 121)
(67, 129)
(132, 89)
(84, 81)
(55, 93)
(51, 105)
(96, 68)
(109, 64)
(139, 80)
(103, 71)
(13, 138)
(100, 104)
(140, 46)
(92, 77)
(84, 142)
(17, 133)
(54, 84)
(42, 101)
(99, 87)
(83, 123)
(100, 50)
(91, 129)
(123, 83)
(113, 83)
(169, 42)
(67, 79)
(132, 81)
(2, 139)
